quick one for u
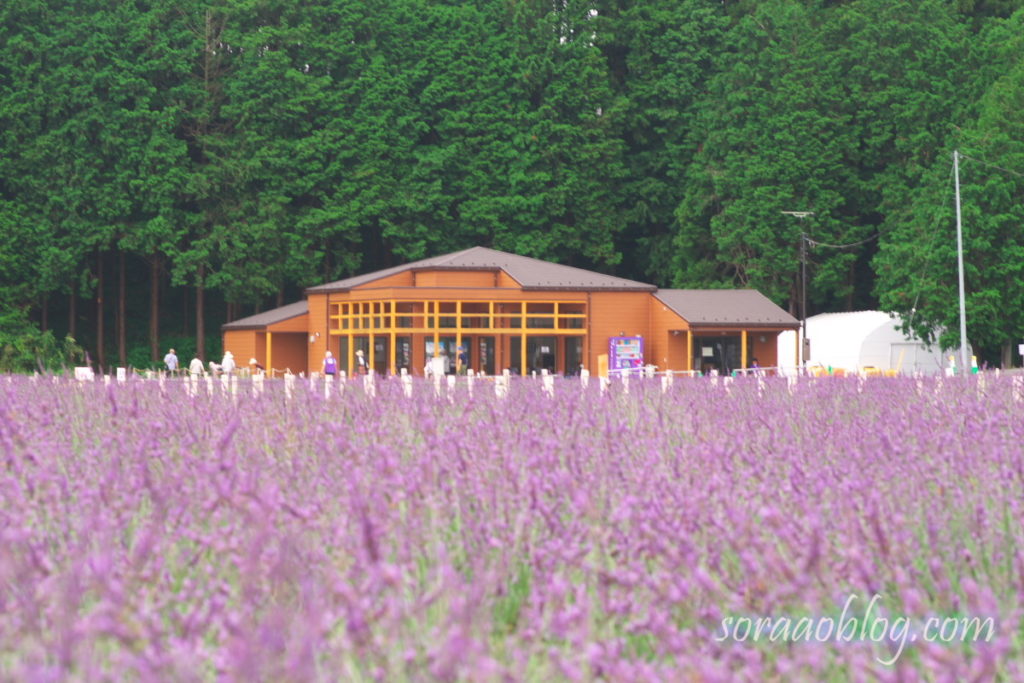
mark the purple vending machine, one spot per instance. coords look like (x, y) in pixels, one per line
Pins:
(625, 355)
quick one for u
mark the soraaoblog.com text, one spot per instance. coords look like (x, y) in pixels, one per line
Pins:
(856, 625)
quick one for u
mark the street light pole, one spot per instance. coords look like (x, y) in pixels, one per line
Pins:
(802, 349)
(803, 295)
(964, 366)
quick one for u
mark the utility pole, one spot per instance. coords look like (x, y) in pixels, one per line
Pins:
(802, 349)
(964, 365)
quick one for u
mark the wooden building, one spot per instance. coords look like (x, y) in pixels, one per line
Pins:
(507, 312)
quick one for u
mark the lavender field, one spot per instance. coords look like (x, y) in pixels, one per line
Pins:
(149, 534)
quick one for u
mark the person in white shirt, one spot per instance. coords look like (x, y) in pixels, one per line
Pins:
(195, 368)
(171, 361)
(227, 366)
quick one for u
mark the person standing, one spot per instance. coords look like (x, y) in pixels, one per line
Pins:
(462, 361)
(195, 368)
(330, 365)
(362, 367)
(171, 361)
(227, 366)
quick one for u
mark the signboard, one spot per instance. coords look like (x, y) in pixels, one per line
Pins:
(625, 354)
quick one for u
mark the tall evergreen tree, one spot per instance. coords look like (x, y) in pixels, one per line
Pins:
(917, 263)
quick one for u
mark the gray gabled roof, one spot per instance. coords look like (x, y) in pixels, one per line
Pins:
(529, 272)
(275, 315)
(747, 307)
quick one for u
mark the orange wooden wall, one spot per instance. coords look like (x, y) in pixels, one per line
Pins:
(662, 348)
(403, 279)
(614, 314)
(765, 352)
(317, 324)
(241, 343)
(288, 351)
(299, 323)
(455, 278)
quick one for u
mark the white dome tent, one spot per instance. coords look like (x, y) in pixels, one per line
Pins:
(862, 340)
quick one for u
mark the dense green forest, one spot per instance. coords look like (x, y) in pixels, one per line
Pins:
(169, 165)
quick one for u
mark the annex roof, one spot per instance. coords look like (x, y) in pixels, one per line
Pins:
(529, 272)
(267, 318)
(747, 307)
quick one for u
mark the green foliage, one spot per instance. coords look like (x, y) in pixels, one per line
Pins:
(253, 148)
(917, 266)
(184, 348)
(23, 348)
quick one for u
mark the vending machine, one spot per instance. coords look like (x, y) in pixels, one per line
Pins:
(625, 355)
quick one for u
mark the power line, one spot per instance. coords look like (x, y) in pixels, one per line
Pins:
(815, 243)
(998, 168)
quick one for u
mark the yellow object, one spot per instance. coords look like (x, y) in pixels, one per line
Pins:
(602, 365)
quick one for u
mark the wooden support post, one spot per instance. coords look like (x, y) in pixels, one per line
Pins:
(458, 335)
(437, 327)
(522, 345)
(270, 355)
(351, 354)
(689, 350)
(522, 356)
(393, 353)
(388, 325)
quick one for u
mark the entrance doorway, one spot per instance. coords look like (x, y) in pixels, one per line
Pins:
(573, 355)
(720, 354)
(542, 354)
(446, 350)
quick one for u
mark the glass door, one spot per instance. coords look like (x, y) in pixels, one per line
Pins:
(485, 350)
(573, 355)
(542, 354)
(717, 355)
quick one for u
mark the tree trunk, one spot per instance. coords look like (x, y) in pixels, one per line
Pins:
(72, 313)
(122, 334)
(1007, 359)
(101, 356)
(154, 309)
(280, 297)
(200, 310)
(44, 313)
